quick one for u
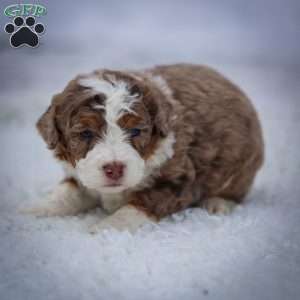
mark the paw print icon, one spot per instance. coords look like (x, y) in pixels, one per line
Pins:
(24, 32)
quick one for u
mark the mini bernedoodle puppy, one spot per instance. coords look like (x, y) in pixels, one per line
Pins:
(146, 144)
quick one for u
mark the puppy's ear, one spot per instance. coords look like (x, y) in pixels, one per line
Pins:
(159, 110)
(161, 119)
(47, 127)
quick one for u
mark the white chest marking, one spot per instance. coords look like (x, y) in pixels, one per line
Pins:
(112, 202)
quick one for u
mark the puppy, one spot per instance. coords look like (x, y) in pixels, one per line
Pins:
(146, 144)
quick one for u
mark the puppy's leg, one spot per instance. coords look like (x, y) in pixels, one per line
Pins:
(148, 206)
(66, 199)
(127, 217)
(217, 205)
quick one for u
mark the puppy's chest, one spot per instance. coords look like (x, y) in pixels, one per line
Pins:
(111, 202)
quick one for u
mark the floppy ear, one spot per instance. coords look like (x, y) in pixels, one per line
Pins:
(159, 111)
(47, 128)
(161, 120)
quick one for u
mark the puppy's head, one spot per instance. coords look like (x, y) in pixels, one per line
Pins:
(106, 125)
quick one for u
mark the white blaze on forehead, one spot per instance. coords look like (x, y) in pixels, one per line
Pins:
(118, 98)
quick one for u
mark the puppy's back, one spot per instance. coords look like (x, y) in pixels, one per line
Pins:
(227, 148)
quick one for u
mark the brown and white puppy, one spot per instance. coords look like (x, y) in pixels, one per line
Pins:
(146, 144)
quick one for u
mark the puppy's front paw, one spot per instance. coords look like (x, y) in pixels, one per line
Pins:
(218, 206)
(127, 218)
(65, 200)
(38, 211)
(104, 225)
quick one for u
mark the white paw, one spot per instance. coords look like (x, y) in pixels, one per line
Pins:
(218, 206)
(37, 211)
(65, 200)
(50, 209)
(127, 218)
(106, 225)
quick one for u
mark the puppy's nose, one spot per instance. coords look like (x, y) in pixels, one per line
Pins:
(114, 170)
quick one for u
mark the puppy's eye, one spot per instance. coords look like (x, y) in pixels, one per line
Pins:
(134, 132)
(135, 91)
(87, 134)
